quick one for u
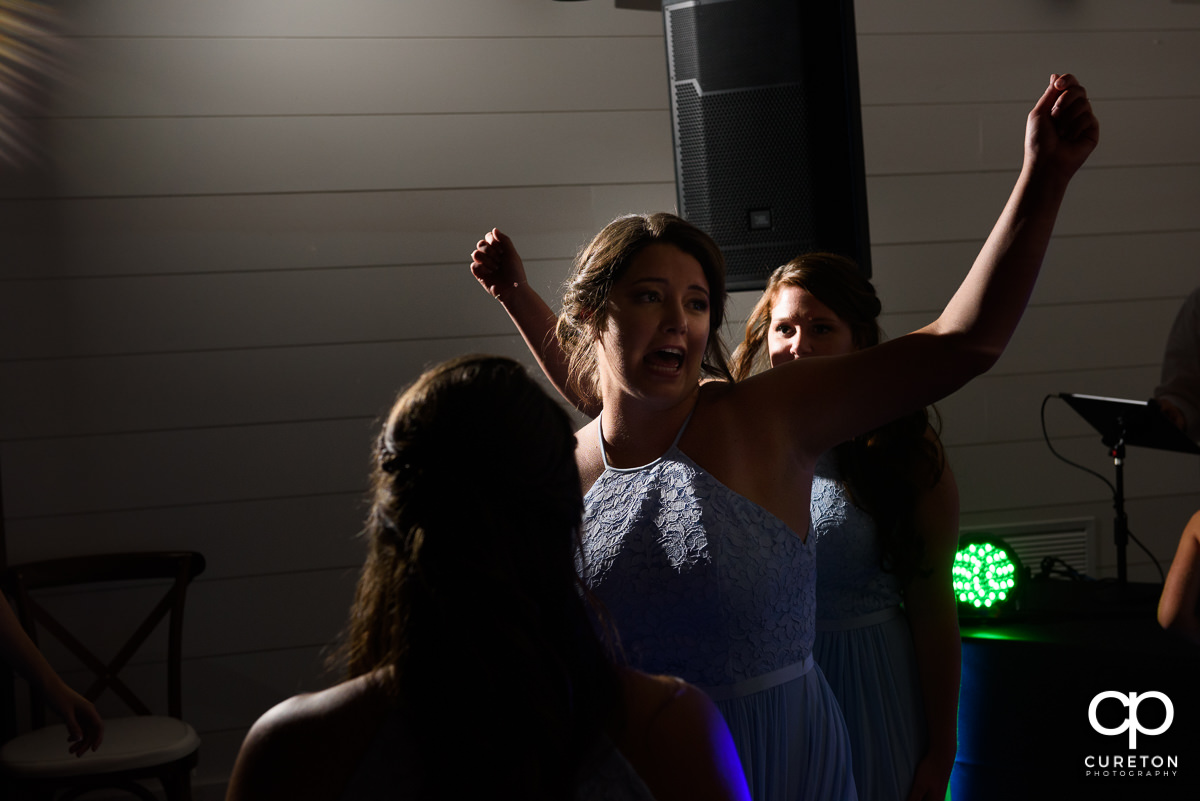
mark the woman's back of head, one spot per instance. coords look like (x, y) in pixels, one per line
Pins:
(472, 455)
(468, 607)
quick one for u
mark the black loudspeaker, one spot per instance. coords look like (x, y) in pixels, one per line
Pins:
(768, 130)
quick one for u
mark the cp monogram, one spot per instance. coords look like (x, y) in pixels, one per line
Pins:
(1131, 723)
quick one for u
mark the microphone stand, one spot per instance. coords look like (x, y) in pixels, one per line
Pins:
(1121, 521)
(1122, 422)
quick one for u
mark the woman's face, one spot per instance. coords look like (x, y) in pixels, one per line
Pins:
(803, 326)
(653, 340)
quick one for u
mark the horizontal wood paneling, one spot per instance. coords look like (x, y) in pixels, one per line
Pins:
(75, 475)
(64, 398)
(239, 155)
(922, 138)
(1077, 269)
(270, 613)
(139, 236)
(1100, 201)
(1015, 67)
(254, 309)
(244, 538)
(225, 617)
(1032, 476)
(185, 467)
(883, 17)
(169, 313)
(224, 155)
(475, 18)
(188, 466)
(255, 77)
(155, 392)
(359, 18)
(997, 408)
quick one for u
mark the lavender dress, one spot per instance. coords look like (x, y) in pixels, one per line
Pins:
(706, 585)
(864, 644)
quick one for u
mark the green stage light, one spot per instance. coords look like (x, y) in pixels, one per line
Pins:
(986, 576)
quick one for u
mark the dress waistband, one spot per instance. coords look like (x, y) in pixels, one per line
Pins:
(862, 621)
(727, 692)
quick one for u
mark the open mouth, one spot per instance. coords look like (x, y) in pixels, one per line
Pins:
(666, 359)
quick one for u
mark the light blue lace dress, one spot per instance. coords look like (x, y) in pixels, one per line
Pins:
(706, 585)
(864, 644)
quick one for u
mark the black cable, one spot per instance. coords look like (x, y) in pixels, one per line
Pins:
(1046, 436)
(1162, 578)
(1048, 569)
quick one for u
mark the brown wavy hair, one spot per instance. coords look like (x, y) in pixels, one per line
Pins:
(884, 471)
(602, 263)
(469, 608)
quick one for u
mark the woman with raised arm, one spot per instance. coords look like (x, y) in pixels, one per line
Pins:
(697, 505)
(885, 519)
(473, 667)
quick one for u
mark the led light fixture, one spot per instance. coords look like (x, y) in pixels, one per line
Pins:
(987, 576)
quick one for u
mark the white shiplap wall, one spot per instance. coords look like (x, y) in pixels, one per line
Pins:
(256, 219)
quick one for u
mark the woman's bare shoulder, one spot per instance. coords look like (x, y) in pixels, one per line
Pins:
(325, 707)
(307, 745)
(657, 705)
(677, 741)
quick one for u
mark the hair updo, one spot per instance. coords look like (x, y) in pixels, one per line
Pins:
(469, 606)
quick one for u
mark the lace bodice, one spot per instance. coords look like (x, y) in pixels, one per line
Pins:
(700, 582)
(850, 579)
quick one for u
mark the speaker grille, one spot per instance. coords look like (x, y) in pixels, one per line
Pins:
(723, 181)
(768, 144)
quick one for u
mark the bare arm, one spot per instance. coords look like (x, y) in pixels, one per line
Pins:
(84, 727)
(1177, 610)
(497, 266)
(933, 619)
(816, 403)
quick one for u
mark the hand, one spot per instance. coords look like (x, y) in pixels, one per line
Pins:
(497, 265)
(931, 777)
(84, 726)
(1061, 131)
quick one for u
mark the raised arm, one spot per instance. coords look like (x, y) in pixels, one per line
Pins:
(1177, 608)
(933, 619)
(822, 401)
(497, 266)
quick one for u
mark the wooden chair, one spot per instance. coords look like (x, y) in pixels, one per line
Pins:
(143, 746)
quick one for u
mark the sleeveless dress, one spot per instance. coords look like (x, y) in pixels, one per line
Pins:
(864, 644)
(703, 584)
